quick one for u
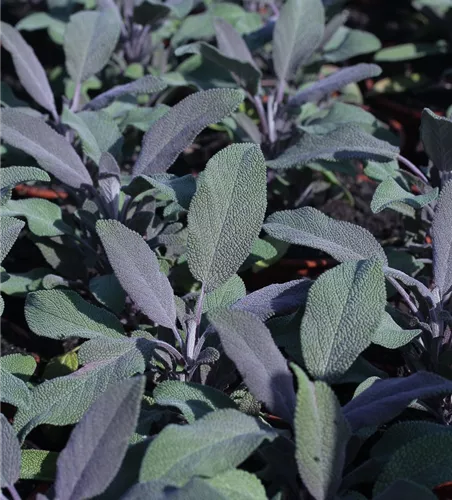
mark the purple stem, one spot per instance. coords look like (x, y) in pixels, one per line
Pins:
(412, 167)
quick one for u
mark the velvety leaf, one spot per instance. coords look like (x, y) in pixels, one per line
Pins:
(11, 176)
(436, 132)
(61, 365)
(309, 227)
(41, 20)
(442, 240)
(390, 335)
(193, 400)
(298, 33)
(20, 284)
(29, 70)
(385, 399)
(279, 298)
(176, 130)
(410, 51)
(20, 365)
(225, 295)
(64, 400)
(178, 453)
(146, 85)
(347, 43)
(226, 213)
(321, 437)
(51, 150)
(60, 314)
(107, 290)
(9, 232)
(231, 43)
(137, 269)
(110, 183)
(10, 454)
(43, 217)
(249, 344)
(389, 194)
(343, 143)
(425, 461)
(14, 391)
(97, 445)
(344, 309)
(39, 465)
(334, 82)
(89, 40)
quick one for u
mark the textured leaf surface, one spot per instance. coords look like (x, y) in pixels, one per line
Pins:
(344, 309)
(390, 335)
(442, 240)
(279, 298)
(29, 70)
(425, 461)
(60, 314)
(298, 32)
(385, 399)
(13, 389)
(97, 445)
(9, 232)
(228, 293)
(137, 269)
(343, 143)
(389, 194)
(309, 227)
(64, 400)
(193, 400)
(19, 365)
(176, 130)
(321, 437)
(108, 292)
(10, 454)
(178, 453)
(231, 43)
(43, 217)
(226, 213)
(436, 133)
(51, 150)
(11, 176)
(89, 40)
(146, 85)
(249, 344)
(39, 465)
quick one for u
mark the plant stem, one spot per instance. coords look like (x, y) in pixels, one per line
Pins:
(177, 336)
(76, 98)
(261, 112)
(168, 347)
(271, 118)
(13, 492)
(406, 297)
(412, 167)
(193, 326)
(280, 91)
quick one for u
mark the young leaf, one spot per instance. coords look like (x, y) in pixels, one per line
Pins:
(343, 143)
(51, 150)
(228, 293)
(309, 227)
(193, 400)
(137, 269)
(231, 43)
(110, 183)
(334, 82)
(60, 314)
(177, 128)
(89, 40)
(29, 70)
(436, 132)
(146, 85)
(97, 445)
(9, 232)
(179, 452)
(249, 344)
(279, 298)
(298, 33)
(10, 455)
(442, 240)
(390, 335)
(352, 297)
(226, 213)
(385, 399)
(321, 437)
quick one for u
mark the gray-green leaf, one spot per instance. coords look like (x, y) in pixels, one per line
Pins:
(225, 295)
(436, 133)
(9, 232)
(11, 176)
(10, 454)
(390, 335)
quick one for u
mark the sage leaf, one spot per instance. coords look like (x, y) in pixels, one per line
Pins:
(51, 150)
(20, 365)
(10, 229)
(89, 40)
(343, 143)
(138, 271)
(309, 227)
(13, 390)
(178, 453)
(390, 335)
(93, 454)
(11, 176)
(249, 344)
(436, 132)
(177, 128)
(298, 32)
(352, 297)
(231, 43)
(148, 84)
(29, 70)
(10, 454)
(442, 240)
(228, 293)
(107, 290)
(60, 314)
(226, 213)
(321, 437)
(39, 465)
(193, 400)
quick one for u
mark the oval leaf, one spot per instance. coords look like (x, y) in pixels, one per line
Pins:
(10, 454)
(9, 232)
